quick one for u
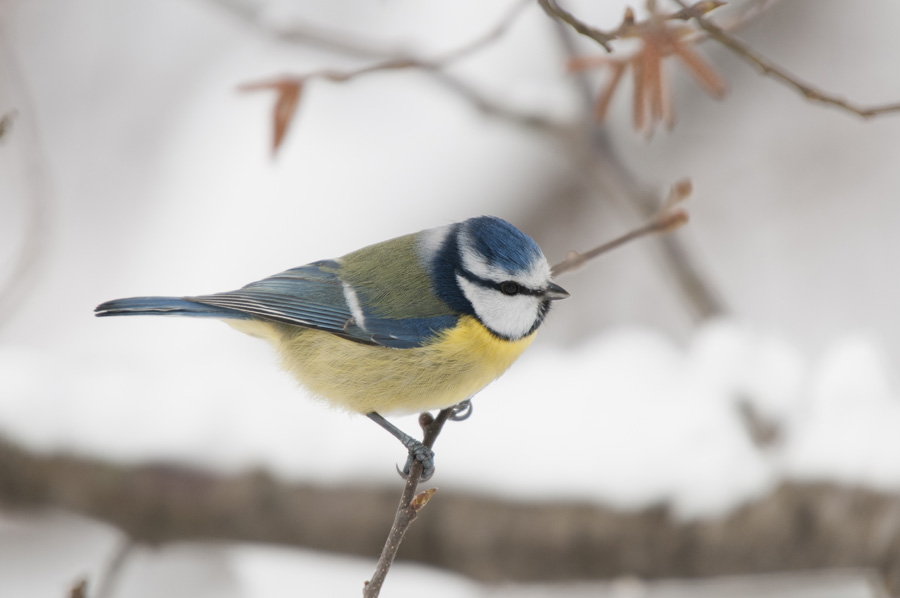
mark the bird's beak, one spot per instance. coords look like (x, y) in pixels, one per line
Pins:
(554, 292)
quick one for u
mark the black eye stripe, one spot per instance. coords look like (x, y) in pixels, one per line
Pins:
(509, 287)
(497, 286)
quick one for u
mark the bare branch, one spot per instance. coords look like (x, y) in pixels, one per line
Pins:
(491, 107)
(37, 193)
(669, 218)
(113, 570)
(768, 68)
(410, 504)
(6, 123)
(289, 87)
(593, 156)
(438, 62)
(303, 33)
(601, 37)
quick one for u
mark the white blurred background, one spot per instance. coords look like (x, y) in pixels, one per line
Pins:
(134, 167)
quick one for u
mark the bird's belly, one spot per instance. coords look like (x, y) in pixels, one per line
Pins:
(366, 378)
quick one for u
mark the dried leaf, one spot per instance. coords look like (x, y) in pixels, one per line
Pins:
(660, 38)
(289, 90)
(668, 115)
(584, 63)
(702, 71)
(652, 71)
(639, 100)
(601, 106)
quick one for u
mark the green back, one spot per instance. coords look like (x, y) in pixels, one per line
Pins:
(392, 276)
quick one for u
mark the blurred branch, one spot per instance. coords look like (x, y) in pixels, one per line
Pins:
(592, 154)
(78, 589)
(37, 196)
(670, 217)
(113, 570)
(795, 526)
(629, 27)
(490, 107)
(552, 8)
(658, 23)
(342, 43)
(438, 62)
(303, 33)
(770, 69)
(290, 87)
(6, 123)
(608, 177)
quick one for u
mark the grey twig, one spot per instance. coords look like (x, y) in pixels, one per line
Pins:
(113, 570)
(410, 504)
(667, 219)
(38, 191)
(594, 156)
(435, 63)
(603, 38)
(770, 69)
(290, 88)
(302, 33)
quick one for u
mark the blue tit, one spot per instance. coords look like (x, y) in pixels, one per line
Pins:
(420, 322)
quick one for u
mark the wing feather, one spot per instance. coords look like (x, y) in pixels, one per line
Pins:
(313, 296)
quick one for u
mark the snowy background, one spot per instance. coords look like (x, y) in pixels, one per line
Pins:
(144, 171)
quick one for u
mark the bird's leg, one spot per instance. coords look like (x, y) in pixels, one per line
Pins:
(417, 450)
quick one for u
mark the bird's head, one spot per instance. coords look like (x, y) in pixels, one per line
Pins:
(488, 268)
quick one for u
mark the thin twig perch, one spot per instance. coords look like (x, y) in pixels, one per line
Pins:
(410, 504)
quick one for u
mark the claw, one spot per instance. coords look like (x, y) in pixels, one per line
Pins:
(417, 451)
(462, 411)
(423, 455)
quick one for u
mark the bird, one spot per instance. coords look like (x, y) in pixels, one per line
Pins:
(419, 322)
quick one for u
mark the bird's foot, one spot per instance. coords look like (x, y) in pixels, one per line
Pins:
(421, 453)
(461, 411)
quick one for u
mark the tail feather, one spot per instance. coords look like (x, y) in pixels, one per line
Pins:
(165, 306)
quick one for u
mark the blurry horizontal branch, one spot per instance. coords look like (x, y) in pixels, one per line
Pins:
(253, 13)
(289, 88)
(796, 526)
(661, 35)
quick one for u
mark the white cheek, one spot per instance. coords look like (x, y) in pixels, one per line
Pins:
(511, 316)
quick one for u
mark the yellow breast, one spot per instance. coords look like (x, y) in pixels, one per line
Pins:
(363, 378)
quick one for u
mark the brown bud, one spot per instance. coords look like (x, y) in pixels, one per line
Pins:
(422, 499)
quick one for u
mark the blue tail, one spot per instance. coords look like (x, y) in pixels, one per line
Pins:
(165, 306)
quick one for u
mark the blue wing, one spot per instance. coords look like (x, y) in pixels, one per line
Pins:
(313, 296)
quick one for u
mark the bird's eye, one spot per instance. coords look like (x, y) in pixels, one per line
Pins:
(509, 287)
